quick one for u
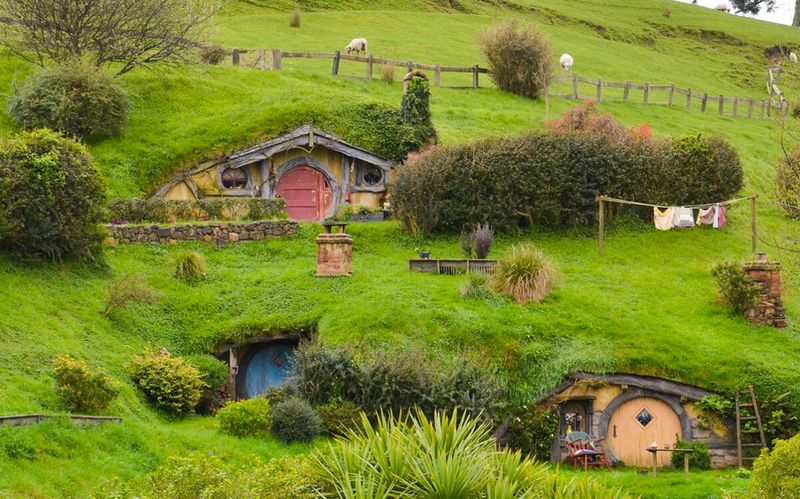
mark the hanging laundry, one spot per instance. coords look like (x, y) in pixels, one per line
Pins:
(683, 218)
(663, 219)
(707, 216)
(720, 219)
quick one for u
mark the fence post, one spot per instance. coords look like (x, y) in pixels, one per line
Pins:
(235, 58)
(704, 103)
(575, 86)
(646, 93)
(410, 66)
(262, 59)
(335, 68)
(762, 109)
(750, 108)
(688, 99)
(369, 66)
(437, 75)
(721, 103)
(277, 63)
(671, 94)
(735, 107)
(601, 216)
(475, 76)
(627, 91)
(599, 89)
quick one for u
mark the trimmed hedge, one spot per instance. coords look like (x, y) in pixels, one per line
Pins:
(552, 178)
(170, 211)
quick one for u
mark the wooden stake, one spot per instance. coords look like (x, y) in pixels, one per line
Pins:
(601, 215)
(626, 93)
(599, 89)
(335, 68)
(437, 75)
(671, 94)
(689, 99)
(235, 58)
(475, 76)
(369, 67)
(721, 103)
(753, 227)
(646, 93)
(575, 86)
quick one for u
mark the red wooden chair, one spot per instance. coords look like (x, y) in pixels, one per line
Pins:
(586, 451)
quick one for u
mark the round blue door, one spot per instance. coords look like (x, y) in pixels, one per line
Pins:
(267, 368)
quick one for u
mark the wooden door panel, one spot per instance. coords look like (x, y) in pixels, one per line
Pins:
(307, 193)
(629, 438)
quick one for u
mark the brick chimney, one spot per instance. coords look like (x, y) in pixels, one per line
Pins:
(769, 307)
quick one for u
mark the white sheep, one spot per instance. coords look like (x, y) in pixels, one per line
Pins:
(358, 45)
(792, 57)
(567, 62)
(723, 7)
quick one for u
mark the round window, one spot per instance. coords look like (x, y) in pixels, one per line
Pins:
(373, 176)
(234, 178)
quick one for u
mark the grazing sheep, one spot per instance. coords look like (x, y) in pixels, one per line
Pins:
(792, 57)
(723, 7)
(358, 45)
(567, 62)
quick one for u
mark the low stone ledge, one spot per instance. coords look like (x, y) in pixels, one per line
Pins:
(221, 233)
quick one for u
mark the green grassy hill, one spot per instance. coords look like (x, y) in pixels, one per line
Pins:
(646, 307)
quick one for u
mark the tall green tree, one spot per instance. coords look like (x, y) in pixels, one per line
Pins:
(755, 6)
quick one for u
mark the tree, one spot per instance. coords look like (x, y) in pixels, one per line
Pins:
(123, 33)
(755, 6)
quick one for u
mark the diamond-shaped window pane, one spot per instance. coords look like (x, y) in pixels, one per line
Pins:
(644, 417)
(279, 361)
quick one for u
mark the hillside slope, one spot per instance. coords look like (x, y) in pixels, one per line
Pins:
(646, 307)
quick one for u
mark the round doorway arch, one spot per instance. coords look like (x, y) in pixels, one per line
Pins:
(265, 366)
(309, 189)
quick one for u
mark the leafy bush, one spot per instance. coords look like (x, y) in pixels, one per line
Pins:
(82, 389)
(533, 430)
(295, 421)
(714, 409)
(526, 274)
(125, 290)
(520, 57)
(76, 99)
(214, 373)
(338, 416)
(245, 418)
(281, 393)
(190, 266)
(415, 112)
(736, 289)
(484, 237)
(393, 381)
(442, 456)
(776, 473)
(51, 197)
(170, 383)
(466, 242)
(323, 373)
(699, 459)
(16, 444)
(552, 178)
(157, 210)
(294, 21)
(787, 183)
(211, 53)
(287, 477)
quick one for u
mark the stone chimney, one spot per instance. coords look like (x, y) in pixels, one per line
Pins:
(769, 307)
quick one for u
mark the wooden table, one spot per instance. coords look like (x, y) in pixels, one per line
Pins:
(655, 451)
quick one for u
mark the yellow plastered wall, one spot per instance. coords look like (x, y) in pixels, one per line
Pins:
(371, 200)
(331, 159)
(603, 394)
(180, 192)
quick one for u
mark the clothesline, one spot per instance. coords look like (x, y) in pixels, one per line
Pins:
(601, 215)
(694, 206)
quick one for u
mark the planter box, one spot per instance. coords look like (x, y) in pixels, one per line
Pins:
(375, 216)
(452, 267)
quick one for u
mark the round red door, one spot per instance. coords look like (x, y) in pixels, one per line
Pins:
(307, 193)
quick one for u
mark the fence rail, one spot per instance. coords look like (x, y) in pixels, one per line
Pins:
(273, 59)
(741, 106)
(748, 107)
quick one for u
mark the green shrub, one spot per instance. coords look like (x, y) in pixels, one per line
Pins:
(214, 374)
(323, 373)
(125, 290)
(190, 266)
(339, 416)
(776, 474)
(287, 477)
(156, 210)
(76, 99)
(475, 287)
(443, 456)
(699, 459)
(484, 237)
(211, 53)
(281, 393)
(245, 418)
(520, 57)
(737, 290)
(552, 178)
(52, 200)
(294, 21)
(466, 242)
(525, 274)
(295, 421)
(17, 444)
(82, 389)
(170, 383)
(533, 430)
(787, 183)
(415, 112)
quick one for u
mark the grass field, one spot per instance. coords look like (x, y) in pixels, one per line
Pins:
(648, 306)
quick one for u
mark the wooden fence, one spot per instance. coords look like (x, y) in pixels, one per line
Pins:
(273, 59)
(672, 95)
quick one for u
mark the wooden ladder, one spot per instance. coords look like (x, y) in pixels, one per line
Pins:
(740, 419)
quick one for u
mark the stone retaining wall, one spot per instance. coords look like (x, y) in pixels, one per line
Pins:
(220, 233)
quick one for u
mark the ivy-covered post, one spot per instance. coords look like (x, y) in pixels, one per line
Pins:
(415, 111)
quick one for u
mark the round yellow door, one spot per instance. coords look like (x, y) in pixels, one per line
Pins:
(636, 424)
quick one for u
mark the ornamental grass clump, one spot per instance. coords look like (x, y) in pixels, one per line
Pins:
(190, 266)
(526, 274)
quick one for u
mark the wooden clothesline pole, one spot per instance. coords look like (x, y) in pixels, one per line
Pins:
(601, 215)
